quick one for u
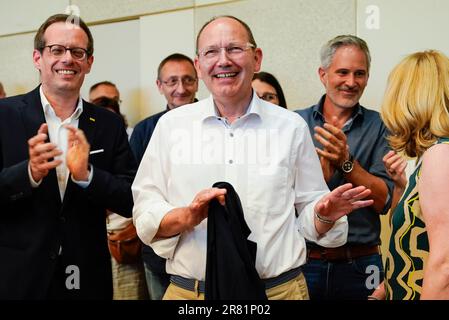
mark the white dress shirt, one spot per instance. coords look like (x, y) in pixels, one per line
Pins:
(269, 158)
(57, 134)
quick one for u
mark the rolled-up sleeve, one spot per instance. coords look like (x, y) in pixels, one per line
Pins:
(149, 190)
(310, 187)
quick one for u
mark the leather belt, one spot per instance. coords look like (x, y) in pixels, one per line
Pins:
(198, 286)
(341, 253)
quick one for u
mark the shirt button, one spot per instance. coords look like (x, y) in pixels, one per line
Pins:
(231, 134)
(52, 256)
(230, 161)
(62, 219)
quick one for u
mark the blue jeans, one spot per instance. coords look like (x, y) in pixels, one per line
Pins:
(355, 279)
(156, 283)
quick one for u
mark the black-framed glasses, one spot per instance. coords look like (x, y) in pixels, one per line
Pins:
(268, 96)
(57, 51)
(174, 81)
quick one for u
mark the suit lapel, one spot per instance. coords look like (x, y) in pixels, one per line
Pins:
(33, 116)
(87, 122)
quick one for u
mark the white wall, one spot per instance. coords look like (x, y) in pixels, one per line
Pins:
(404, 27)
(160, 36)
(117, 59)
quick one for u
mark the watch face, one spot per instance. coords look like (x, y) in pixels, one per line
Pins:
(347, 166)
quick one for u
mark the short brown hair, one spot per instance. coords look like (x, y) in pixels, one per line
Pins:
(174, 57)
(39, 41)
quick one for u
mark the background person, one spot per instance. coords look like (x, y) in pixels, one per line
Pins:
(269, 89)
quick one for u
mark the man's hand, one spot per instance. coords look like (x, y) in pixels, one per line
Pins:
(42, 154)
(77, 154)
(395, 166)
(179, 220)
(198, 209)
(334, 141)
(343, 200)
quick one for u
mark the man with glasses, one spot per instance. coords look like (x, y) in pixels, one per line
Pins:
(63, 163)
(351, 142)
(266, 153)
(177, 81)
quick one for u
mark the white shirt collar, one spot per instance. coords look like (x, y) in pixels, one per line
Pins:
(211, 110)
(48, 109)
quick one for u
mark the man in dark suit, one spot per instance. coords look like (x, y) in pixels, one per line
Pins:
(63, 162)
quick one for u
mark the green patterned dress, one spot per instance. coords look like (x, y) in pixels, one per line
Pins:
(409, 244)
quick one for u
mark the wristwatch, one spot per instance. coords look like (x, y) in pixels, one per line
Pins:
(348, 165)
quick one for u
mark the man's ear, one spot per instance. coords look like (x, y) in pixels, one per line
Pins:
(258, 55)
(197, 67)
(323, 75)
(37, 59)
(159, 86)
(90, 61)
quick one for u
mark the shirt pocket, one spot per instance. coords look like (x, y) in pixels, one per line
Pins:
(267, 189)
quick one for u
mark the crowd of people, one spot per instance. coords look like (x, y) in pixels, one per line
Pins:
(101, 210)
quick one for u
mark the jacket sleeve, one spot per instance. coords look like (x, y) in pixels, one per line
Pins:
(14, 182)
(111, 187)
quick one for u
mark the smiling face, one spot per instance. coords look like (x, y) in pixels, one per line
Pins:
(62, 75)
(346, 77)
(227, 78)
(183, 92)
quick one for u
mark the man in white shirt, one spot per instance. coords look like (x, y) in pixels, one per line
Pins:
(266, 153)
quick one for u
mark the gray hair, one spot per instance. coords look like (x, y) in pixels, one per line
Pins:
(328, 50)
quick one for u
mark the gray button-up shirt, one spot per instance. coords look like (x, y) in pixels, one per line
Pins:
(366, 137)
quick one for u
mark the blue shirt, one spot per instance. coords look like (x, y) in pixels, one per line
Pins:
(366, 137)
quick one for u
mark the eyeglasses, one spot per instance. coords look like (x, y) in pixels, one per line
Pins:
(234, 50)
(57, 51)
(174, 81)
(268, 96)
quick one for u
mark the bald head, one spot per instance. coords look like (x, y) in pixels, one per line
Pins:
(244, 25)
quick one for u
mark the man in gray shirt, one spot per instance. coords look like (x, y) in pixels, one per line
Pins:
(350, 141)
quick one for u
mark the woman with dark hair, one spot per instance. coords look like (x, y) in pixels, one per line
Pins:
(267, 87)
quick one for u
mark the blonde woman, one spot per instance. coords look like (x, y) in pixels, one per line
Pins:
(416, 111)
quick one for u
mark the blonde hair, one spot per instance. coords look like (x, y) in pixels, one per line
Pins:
(416, 102)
